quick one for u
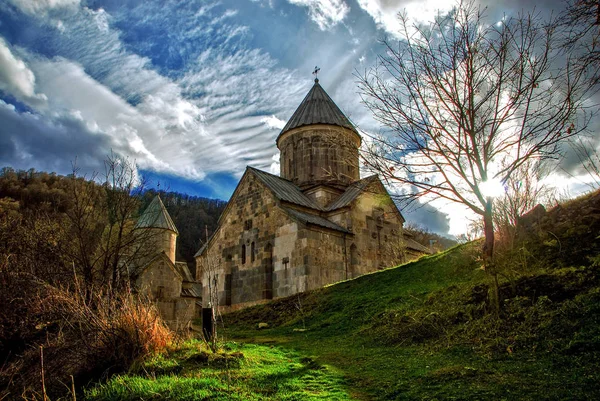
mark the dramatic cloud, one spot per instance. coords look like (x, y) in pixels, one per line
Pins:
(325, 13)
(16, 78)
(385, 12)
(428, 216)
(192, 91)
(51, 144)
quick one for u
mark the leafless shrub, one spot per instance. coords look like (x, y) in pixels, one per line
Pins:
(86, 340)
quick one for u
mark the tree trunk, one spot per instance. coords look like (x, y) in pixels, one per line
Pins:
(488, 254)
(488, 231)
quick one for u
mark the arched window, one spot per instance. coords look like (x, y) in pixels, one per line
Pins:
(252, 252)
(243, 254)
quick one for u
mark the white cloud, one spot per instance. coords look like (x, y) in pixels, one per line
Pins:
(273, 122)
(275, 165)
(218, 117)
(385, 12)
(325, 13)
(16, 78)
(41, 7)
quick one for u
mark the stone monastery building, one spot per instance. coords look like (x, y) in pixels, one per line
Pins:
(315, 224)
(165, 281)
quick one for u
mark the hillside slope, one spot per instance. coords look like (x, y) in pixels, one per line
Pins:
(424, 330)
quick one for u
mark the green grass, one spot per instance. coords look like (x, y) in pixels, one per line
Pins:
(421, 331)
(239, 372)
(424, 331)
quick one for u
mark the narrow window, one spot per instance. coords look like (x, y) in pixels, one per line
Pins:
(252, 252)
(228, 285)
(243, 254)
(268, 266)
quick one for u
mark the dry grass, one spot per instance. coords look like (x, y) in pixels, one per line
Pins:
(88, 339)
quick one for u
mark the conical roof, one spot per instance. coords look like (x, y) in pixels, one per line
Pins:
(317, 108)
(156, 216)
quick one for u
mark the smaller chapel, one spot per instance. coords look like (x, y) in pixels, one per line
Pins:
(158, 276)
(315, 224)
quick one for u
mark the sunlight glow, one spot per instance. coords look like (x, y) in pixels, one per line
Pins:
(492, 188)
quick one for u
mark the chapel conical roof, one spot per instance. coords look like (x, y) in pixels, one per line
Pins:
(156, 216)
(317, 108)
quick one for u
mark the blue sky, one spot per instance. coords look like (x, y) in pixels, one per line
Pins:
(192, 91)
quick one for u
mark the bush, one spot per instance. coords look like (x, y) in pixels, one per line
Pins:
(84, 338)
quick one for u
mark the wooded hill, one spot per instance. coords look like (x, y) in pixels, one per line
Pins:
(29, 192)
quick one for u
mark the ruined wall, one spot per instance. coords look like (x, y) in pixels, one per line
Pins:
(319, 154)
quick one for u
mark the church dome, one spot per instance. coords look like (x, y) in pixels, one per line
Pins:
(317, 108)
(319, 145)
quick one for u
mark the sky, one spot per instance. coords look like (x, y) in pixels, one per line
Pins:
(191, 91)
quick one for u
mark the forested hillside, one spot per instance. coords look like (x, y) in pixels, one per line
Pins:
(50, 193)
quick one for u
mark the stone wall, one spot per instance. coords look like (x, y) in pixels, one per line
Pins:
(177, 313)
(323, 195)
(155, 241)
(260, 252)
(163, 286)
(319, 154)
(243, 254)
(159, 281)
(377, 229)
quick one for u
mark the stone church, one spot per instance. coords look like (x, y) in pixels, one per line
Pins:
(315, 224)
(158, 276)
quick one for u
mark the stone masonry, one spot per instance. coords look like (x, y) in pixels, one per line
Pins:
(316, 224)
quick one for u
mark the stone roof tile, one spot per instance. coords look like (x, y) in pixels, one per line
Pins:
(156, 216)
(316, 220)
(351, 193)
(317, 108)
(284, 189)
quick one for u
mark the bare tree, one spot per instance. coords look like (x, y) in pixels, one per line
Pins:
(524, 190)
(467, 103)
(210, 266)
(581, 20)
(104, 247)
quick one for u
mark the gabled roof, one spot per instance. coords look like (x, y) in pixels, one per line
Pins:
(284, 189)
(184, 271)
(190, 292)
(203, 247)
(161, 256)
(316, 220)
(351, 193)
(156, 216)
(412, 244)
(317, 108)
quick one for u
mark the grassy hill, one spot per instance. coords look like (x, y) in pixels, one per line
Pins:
(423, 330)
